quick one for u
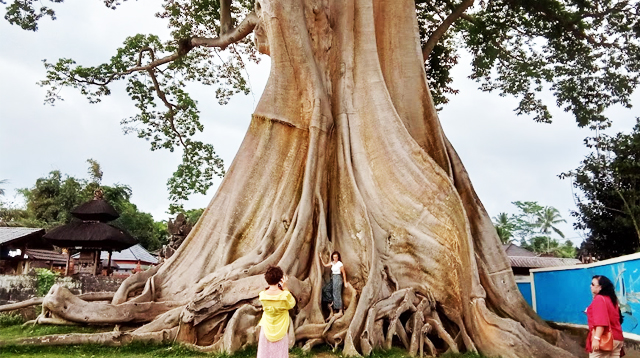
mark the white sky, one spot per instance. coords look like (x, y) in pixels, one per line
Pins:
(508, 157)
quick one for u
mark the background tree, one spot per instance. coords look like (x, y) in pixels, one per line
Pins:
(345, 151)
(547, 219)
(193, 215)
(505, 226)
(2, 190)
(548, 246)
(532, 220)
(526, 219)
(608, 200)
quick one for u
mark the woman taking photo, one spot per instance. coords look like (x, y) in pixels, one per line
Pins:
(276, 302)
(603, 316)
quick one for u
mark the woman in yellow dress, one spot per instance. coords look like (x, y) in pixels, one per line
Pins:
(276, 302)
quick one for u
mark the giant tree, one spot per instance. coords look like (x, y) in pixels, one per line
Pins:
(345, 152)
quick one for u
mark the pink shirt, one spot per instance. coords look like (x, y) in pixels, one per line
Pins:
(602, 312)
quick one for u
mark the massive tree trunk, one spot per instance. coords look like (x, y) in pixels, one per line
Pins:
(344, 152)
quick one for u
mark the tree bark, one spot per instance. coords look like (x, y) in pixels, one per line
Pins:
(344, 152)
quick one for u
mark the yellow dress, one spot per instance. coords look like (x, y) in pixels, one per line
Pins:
(275, 319)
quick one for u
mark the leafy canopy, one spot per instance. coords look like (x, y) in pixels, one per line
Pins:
(586, 52)
(608, 199)
(534, 224)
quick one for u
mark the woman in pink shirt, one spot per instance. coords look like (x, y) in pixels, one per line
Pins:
(604, 314)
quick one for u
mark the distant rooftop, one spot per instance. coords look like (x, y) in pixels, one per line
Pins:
(520, 257)
(134, 253)
(47, 255)
(23, 236)
(514, 250)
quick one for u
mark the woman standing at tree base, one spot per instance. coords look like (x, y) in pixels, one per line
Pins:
(332, 291)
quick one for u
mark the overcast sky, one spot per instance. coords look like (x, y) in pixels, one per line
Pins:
(508, 157)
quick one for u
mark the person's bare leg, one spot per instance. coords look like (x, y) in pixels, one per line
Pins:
(330, 305)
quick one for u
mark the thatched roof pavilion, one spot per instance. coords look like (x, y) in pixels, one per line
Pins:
(97, 209)
(91, 233)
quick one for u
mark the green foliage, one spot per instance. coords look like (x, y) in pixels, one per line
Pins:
(95, 172)
(546, 245)
(505, 226)
(45, 279)
(2, 190)
(444, 55)
(608, 201)
(26, 13)
(10, 319)
(532, 220)
(50, 201)
(193, 215)
(585, 52)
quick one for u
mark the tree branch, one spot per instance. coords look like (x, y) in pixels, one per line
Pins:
(444, 26)
(246, 26)
(225, 16)
(184, 46)
(168, 104)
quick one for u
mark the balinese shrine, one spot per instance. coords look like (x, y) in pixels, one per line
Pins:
(88, 234)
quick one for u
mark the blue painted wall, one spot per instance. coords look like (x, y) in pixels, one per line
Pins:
(562, 295)
(525, 289)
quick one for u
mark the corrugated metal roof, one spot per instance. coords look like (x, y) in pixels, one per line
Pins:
(8, 234)
(134, 253)
(520, 257)
(537, 262)
(127, 266)
(47, 255)
(515, 250)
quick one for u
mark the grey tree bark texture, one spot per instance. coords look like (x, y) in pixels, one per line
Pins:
(344, 152)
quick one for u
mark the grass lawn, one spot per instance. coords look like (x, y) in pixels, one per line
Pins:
(11, 328)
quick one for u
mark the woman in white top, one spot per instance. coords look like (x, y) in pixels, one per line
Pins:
(332, 291)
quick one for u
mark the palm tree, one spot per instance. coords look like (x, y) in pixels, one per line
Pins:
(504, 226)
(3, 181)
(547, 220)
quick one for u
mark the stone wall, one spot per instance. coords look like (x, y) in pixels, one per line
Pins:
(16, 288)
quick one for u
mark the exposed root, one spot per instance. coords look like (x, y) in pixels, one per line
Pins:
(50, 320)
(211, 331)
(92, 296)
(132, 283)
(242, 329)
(61, 303)
(18, 305)
(107, 338)
(167, 320)
(312, 343)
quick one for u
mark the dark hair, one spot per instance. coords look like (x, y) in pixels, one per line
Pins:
(273, 275)
(336, 253)
(607, 289)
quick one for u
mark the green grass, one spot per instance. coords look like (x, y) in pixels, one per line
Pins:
(13, 331)
(133, 350)
(8, 320)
